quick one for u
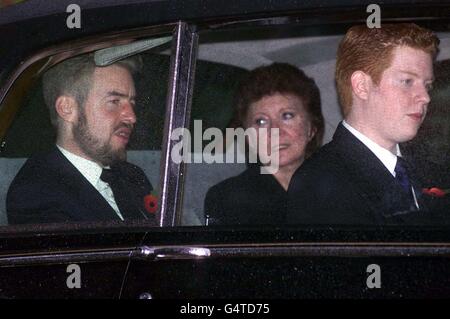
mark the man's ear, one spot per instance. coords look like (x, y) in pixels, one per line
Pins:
(67, 108)
(360, 84)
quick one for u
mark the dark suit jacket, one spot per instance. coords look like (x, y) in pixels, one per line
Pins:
(49, 189)
(250, 198)
(345, 183)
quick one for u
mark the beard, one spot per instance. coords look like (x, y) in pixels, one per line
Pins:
(101, 152)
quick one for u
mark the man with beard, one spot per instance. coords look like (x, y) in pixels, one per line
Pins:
(86, 176)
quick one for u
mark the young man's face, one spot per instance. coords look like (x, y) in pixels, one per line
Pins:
(397, 106)
(107, 118)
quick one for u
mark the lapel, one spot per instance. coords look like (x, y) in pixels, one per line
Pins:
(374, 184)
(134, 190)
(89, 203)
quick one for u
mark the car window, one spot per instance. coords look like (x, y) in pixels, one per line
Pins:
(128, 114)
(225, 58)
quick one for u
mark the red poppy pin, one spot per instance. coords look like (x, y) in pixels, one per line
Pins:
(436, 192)
(151, 203)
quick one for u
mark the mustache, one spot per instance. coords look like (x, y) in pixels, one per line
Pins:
(124, 125)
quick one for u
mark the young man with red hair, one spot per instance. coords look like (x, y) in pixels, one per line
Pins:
(383, 79)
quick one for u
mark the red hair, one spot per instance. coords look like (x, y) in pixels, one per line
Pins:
(370, 51)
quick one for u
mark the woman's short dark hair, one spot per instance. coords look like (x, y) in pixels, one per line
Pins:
(280, 78)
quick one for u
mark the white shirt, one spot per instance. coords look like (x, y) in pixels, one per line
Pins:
(92, 171)
(388, 159)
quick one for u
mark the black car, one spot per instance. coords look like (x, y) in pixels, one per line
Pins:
(193, 53)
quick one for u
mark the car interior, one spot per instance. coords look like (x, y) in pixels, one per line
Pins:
(223, 57)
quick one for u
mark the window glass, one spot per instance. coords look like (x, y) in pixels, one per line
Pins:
(53, 170)
(236, 192)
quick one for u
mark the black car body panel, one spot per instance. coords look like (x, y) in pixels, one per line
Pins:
(189, 263)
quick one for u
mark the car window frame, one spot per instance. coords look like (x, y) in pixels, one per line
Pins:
(182, 49)
(298, 18)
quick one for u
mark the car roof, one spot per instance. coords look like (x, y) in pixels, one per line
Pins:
(30, 9)
(183, 9)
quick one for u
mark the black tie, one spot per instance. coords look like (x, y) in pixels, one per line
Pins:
(112, 177)
(401, 175)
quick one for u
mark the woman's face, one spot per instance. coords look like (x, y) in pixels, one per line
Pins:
(285, 112)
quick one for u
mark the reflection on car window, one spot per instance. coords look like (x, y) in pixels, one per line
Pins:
(318, 194)
(84, 143)
(213, 94)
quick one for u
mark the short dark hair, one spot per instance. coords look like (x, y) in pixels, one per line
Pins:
(281, 78)
(73, 77)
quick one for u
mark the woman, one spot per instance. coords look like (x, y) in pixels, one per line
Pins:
(275, 96)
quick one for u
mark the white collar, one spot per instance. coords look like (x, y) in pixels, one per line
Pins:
(388, 159)
(89, 169)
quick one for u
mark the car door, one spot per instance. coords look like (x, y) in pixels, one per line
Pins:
(78, 259)
(278, 261)
(61, 265)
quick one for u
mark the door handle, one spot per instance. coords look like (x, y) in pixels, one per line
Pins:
(172, 252)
